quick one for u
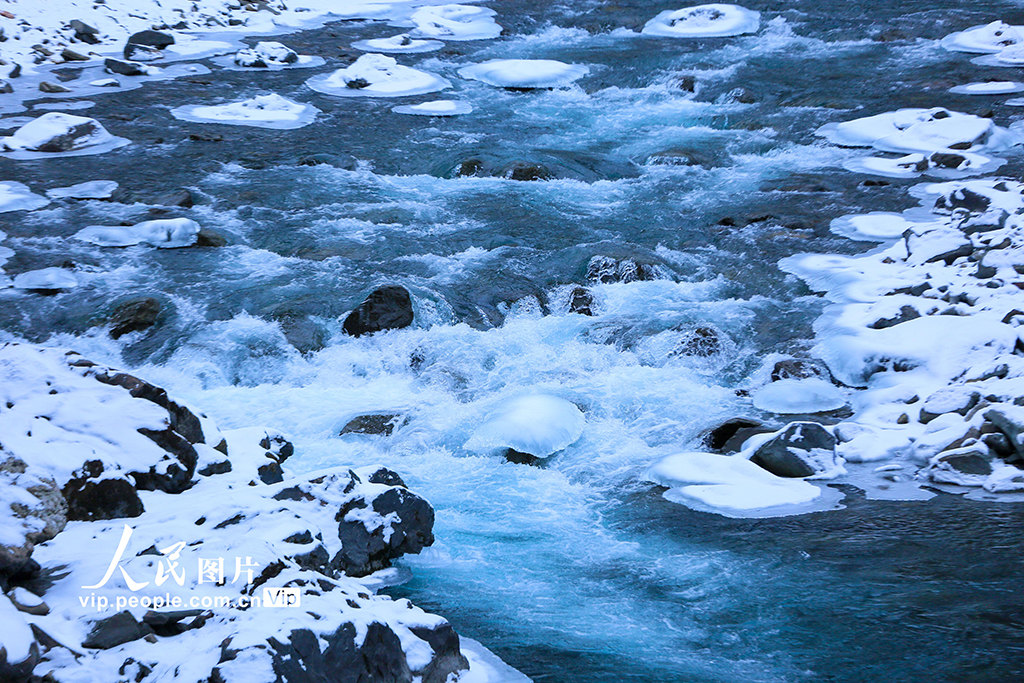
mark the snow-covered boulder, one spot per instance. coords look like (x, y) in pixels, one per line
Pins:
(265, 54)
(56, 132)
(15, 196)
(164, 233)
(988, 88)
(262, 111)
(377, 75)
(455, 22)
(403, 43)
(989, 38)
(799, 396)
(535, 425)
(920, 130)
(46, 280)
(92, 189)
(525, 73)
(801, 449)
(435, 108)
(33, 511)
(19, 651)
(704, 21)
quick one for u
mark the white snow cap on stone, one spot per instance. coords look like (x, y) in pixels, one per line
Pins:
(165, 233)
(435, 108)
(15, 196)
(455, 22)
(919, 130)
(704, 21)
(537, 424)
(990, 38)
(38, 132)
(46, 279)
(401, 44)
(796, 396)
(525, 73)
(92, 189)
(270, 52)
(384, 78)
(262, 111)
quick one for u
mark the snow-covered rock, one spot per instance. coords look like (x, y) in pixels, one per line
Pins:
(801, 449)
(525, 73)
(262, 111)
(704, 21)
(989, 38)
(988, 88)
(46, 280)
(455, 22)
(92, 189)
(799, 396)
(403, 43)
(435, 108)
(165, 233)
(921, 130)
(15, 196)
(56, 133)
(377, 75)
(265, 54)
(537, 425)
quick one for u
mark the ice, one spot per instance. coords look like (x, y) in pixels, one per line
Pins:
(920, 130)
(15, 196)
(537, 424)
(58, 134)
(262, 111)
(727, 484)
(166, 233)
(377, 75)
(525, 73)
(46, 279)
(989, 88)
(799, 396)
(485, 667)
(400, 44)
(455, 22)
(93, 189)
(435, 108)
(990, 38)
(64, 106)
(704, 21)
(16, 638)
(941, 165)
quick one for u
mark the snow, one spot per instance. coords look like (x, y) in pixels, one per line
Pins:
(455, 22)
(15, 196)
(27, 140)
(919, 130)
(165, 233)
(262, 111)
(383, 77)
(525, 73)
(990, 38)
(916, 165)
(796, 396)
(538, 424)
(93, 189)
(435, 108)
(704, 21)
(727, 484)
(400, 44)
(46, 279)
(988, 88)
(267, 52)
(16, 637)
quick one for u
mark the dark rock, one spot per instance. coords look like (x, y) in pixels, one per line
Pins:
(69, 55)
(955, 399)
(730, 435)
(206, 137)
(970, 460)
(801, 449)
(387, 308)
(167, 624)
(278, 448)
(15, 72)
(999, 444)
(116, 630)
(6, 87)
(18, 672)
(65, 142)
(132, 316)
(270, 473)
(382, 425)
(906, 313)
(386, 477)
(180, 197)
(123, 68)
(520, 458)
(90, 498)
(317, 559)
(890, 35)
(800, 368)
(84, 32)
(380, 658)
(208, 238)
(300, 538)
(700, 342)
(357, 83)
(174, 473)
(222, 467)
(448, 658)
(947, 160)
(364, 552)
(524, 171)
(46, 86)
(182, 420)
(1011, 423)
(963, 198)
(607, 270)
(151, 38)
(581, 301)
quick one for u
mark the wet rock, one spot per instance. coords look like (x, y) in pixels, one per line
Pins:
(955, 399)
(386, 308)
(729, 436)
(181, 197)
(383, 424)
(385, 476)
(134, 315)
(890, 35)
(364, 552)
(208, 238)
(524, 171)
(801, 449)
(520, 458)
(124, 68)
(606, 269)
(116, 630)
(800, 368)
(91, 496)
(144, 44)
(700, 342)
(47, 87)
(581, 301)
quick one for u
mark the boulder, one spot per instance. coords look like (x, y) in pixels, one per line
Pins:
(581, 301)
(84, 32)
(701, 342)
(134, 315)
(801, 449)
(146, 45)
(965, 466)
(124, 68)
(264, 54)
(56, 132)
(382, 424)
(606, 269)
(69, 55)
(116, 630)
(1010, 421)
(382, 475)
(729, 436)
(800, 368)
(94, 493)
(33, 511)
(375, 531)
(47, 87)
(954, 399)
(386, 308)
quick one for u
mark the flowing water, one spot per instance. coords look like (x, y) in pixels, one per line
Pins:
(576, 570)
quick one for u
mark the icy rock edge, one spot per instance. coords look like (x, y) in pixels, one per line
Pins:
(187, 537)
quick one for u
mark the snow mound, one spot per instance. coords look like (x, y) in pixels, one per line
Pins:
(799, 396)
(455, 22)
(537, 424)
(941, 164)
(990, 38)
(59, 134)
(266, 53)
(524, 73)
(377, 75)
(165, 233)
(15, 196)
(435, 108)
(988, 88)
(728, 485)
(400, 44)
(262, 111)
(93, 189)
(46, 279)
(920, 130)
(704, 21)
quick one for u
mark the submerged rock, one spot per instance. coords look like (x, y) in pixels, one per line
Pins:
(382, 424)
(729, 436)
(801, 449)
(386, 308)
(536, 425)
(133, 316)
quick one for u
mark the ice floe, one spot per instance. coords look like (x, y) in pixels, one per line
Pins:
(56, 134)
(455, 22)
(525, 73)
(46, 280)
(403, 43)
(15, 196)
(262, 111)
(167, 233)
(92, 189)
(435, 108)
(538, 425)
(989, 38)
(704, 21)
(796, 396)
(377, 75)
(989, 88)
